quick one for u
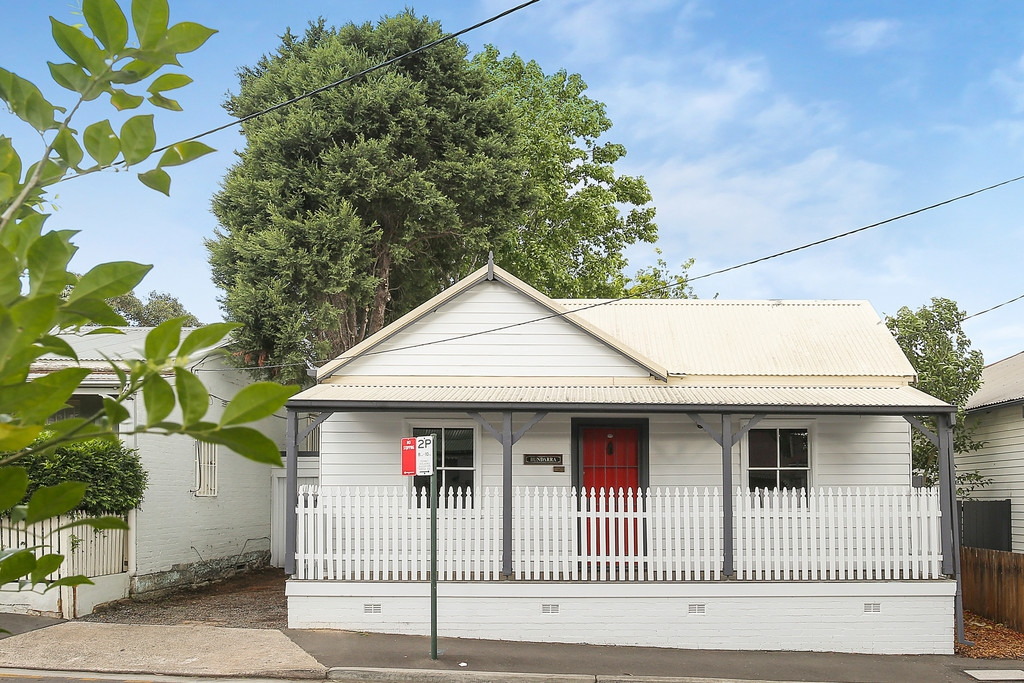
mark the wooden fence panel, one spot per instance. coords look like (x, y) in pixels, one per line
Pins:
(993, 585)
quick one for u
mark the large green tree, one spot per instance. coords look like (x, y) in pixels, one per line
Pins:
(350, 208)
(40, 297)
(948, 368)
(158, 307)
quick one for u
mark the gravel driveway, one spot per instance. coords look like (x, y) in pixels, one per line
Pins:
(253, 600)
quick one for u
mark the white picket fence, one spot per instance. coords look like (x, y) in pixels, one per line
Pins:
(86, 551)
(382, 534)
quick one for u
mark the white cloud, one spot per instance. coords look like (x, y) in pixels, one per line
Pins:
(1010, 82)
(863, 36)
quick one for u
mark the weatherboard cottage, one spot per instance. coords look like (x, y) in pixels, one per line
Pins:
(676, 473)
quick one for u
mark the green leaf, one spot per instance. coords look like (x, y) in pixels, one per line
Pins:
(79, 47)
(13, 484)
(107, 22)
(256, 402)
(76, 580)
(168, 82)
(163, 339)
(26, 101)
(6, 188)
(101, 142)
(89, 310)
(74, 78)
(245, 441)
(149, 17)
(68, 148)
(100, 523)
(10, 162)
(184, 152)
(10, 278)
(17, 565)
(157, 179)
(192, 396)
(109, 280)
(58, 346)
(15, 437)
(46, 565)
(137, 138)
(115, 411)
(123, 100)
(48, 259)
(206, 336)
(185, 37)
(37, 400)
(164, 103)
(134, 71)
(158, 397)
(51, 501)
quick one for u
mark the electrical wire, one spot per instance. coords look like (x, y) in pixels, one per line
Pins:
(992, 308)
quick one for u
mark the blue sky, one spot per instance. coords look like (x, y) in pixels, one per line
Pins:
(759, 127)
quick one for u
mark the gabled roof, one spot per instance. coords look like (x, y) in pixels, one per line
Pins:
(1001, 382)
(488, 273)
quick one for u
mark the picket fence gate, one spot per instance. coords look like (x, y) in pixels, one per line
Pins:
(562, 534)
(89, 552)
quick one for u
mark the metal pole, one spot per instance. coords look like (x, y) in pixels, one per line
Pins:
(506, 503)
(727, 565)
(947, 501)
(291, 489)
(433, 556)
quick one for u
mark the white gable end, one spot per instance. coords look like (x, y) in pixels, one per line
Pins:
(550, 347)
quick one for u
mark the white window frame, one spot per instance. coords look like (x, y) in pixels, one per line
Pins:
(426, 423)
(205, 470)
(812, 449)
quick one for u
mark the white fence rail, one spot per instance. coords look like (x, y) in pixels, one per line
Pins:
(382, 534)
(86, 551)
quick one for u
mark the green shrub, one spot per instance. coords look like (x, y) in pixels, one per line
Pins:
(113, 472)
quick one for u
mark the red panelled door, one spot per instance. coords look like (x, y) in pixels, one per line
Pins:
(611, 458)
(611, 461)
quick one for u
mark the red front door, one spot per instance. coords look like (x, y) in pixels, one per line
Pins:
(611, 458)
(611, 479)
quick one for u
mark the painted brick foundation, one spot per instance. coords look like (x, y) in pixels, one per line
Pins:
(870, 617)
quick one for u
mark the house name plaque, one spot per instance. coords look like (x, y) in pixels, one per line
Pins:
(542, 459)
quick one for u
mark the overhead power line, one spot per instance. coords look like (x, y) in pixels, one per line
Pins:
(992, 308)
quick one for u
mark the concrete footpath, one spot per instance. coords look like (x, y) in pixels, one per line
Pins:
(199, 650)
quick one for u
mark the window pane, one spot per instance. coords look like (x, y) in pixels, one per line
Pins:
(762, 479)
(762, 446)
(793, 447)
(458, 479)
(458, 448)
(793, 479)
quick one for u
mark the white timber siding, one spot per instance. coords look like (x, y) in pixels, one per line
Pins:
(551, 348)
(1002, 460)
(178, 533)
(894, 617)
(363, 449)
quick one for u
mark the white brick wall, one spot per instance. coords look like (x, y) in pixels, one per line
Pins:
(174, 527)
(912, 617)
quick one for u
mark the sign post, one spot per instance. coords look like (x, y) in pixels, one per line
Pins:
(418, 457)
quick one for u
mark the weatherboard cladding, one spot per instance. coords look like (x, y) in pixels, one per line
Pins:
(1001, 382)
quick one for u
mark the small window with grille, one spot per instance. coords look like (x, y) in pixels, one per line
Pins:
(206, 469)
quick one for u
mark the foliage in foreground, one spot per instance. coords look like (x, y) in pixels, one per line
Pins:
(41, 298)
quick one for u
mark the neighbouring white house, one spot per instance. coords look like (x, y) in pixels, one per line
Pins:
(996, 411)
(674, 473)
(206, 512)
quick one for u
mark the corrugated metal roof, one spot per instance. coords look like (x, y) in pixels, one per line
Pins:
(752, 338)
(636, 397)
(1001, 382)
(129, 344)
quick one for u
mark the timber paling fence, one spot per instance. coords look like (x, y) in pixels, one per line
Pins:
(993, 585)
(87, 551)
(561, 534)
